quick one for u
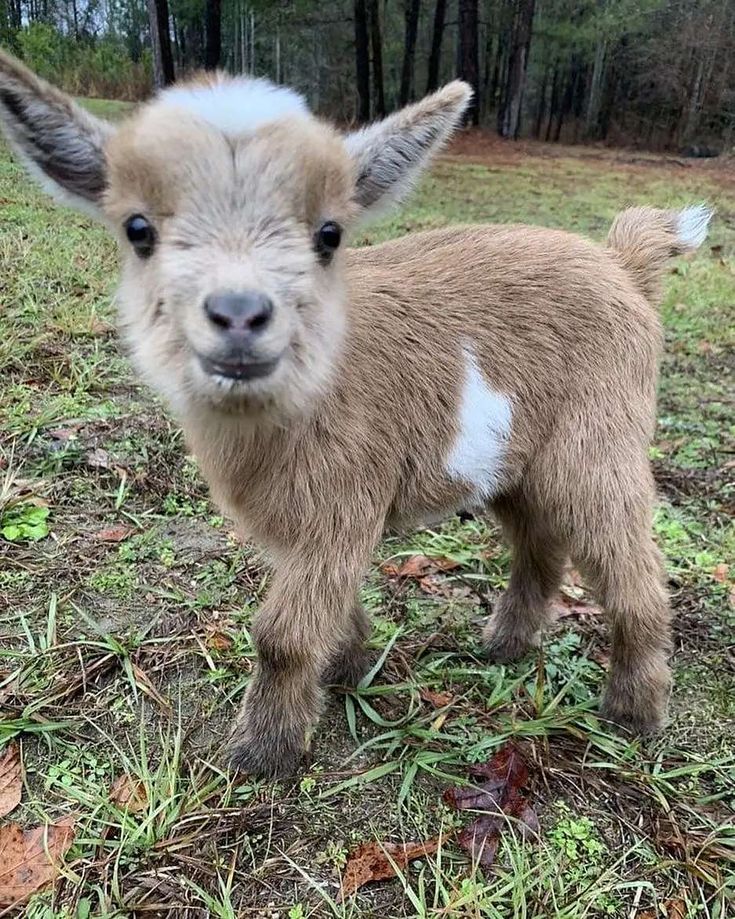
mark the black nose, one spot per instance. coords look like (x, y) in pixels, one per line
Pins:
(244, 311)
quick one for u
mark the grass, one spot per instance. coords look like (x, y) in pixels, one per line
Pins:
(127, 658)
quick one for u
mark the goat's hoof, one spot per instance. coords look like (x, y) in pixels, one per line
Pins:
(501, 646)
(348, 668)
(635, 719)
(266, 758)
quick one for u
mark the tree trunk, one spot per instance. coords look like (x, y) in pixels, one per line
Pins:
(213, 51)
(468, 62)
(592, 116)
(376, 42)
(440, 12)
(409, 50)
(553, 102)
(362, 61)
(511, 108)
(541, 107)
(163, 63)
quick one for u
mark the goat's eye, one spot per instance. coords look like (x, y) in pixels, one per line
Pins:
(328, 239)
(141, 235)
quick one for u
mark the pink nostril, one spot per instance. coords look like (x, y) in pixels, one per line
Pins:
(239, 311)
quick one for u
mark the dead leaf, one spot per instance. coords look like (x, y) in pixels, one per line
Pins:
(64, 434)
(496, 790)
(418, 566)
(100, 327)
(218, 641)
(437, 699)
(672, 909)
(117, 533)
(30, 859)
(376, 861)
(721, 572)
(129, 793)
(11, 778)
(98, 459)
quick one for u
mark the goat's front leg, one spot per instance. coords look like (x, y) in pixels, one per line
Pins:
(306, 619)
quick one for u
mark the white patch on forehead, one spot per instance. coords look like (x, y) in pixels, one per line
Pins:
(237, 106)
(477, 454)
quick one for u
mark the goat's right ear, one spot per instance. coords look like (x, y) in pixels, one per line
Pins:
(390, 154)
(61, 145)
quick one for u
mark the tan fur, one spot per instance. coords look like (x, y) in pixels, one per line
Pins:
(351, 433)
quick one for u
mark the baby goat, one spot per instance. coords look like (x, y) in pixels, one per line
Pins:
(330, 393)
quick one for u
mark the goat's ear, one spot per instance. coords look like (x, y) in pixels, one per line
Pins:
(60, 144)
(391, 154)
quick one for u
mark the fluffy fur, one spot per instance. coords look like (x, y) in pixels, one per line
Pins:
(509, 366)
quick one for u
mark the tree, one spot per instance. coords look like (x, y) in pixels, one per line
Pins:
(437, 35)
(468, 57)
(411, 8)
(362, 61)
(163, 63)
(213, 51)
(511, 105)
(376, 42)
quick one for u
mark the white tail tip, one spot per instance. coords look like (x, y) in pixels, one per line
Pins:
(692, 224)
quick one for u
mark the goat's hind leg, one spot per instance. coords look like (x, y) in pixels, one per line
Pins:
(352, 661)
(538, 561)
(628, 579)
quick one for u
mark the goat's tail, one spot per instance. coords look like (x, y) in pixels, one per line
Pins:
(645, 238)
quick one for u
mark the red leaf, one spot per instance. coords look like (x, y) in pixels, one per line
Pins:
(371, 861)
(114, 534)
(30, 859)
(497, 791)
(11, 778)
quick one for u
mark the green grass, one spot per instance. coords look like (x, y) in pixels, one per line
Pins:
(130, 657)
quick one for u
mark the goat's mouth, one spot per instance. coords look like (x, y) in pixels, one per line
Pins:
(239, 370)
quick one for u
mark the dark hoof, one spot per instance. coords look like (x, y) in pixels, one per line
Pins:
(348, 669)
(272, 760)
(633, 720)
(501, 647)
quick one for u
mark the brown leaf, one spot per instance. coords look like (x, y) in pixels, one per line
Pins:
(500, 797)
(371, 861)
(64, 434)
(98, 459)
(721, 572)
(11, 778)
(418, 566)
(218, 641)
(129, 793)
(437, 699)
(117, 533)
(672, 909)
(30, 859)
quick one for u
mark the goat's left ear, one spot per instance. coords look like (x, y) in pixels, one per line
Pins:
(61, 145)
(391, 154)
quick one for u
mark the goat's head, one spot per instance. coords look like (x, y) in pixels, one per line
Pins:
(230, 201)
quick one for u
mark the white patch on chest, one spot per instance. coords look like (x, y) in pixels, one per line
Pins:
(237, 106)
(477, 453)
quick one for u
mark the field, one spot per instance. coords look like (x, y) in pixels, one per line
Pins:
(125, 601)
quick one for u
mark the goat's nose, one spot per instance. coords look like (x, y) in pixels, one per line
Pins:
(243, 311)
